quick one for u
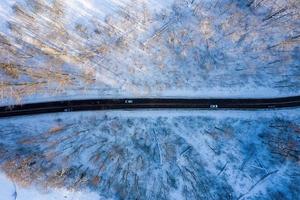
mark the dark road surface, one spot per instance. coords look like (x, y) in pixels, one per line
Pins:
(148, 103)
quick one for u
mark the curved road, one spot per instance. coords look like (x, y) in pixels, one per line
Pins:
(147, 103)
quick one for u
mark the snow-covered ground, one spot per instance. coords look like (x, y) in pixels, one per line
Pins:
(57, 49)
(150, 154)
(12, 191)
(76, 49)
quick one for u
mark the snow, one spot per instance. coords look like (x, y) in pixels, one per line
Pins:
(11, 191)
(135, 48)
(151, 154)
(7, 189)
(79, 49)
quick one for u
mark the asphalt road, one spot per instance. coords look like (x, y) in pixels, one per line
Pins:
(148, 103)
